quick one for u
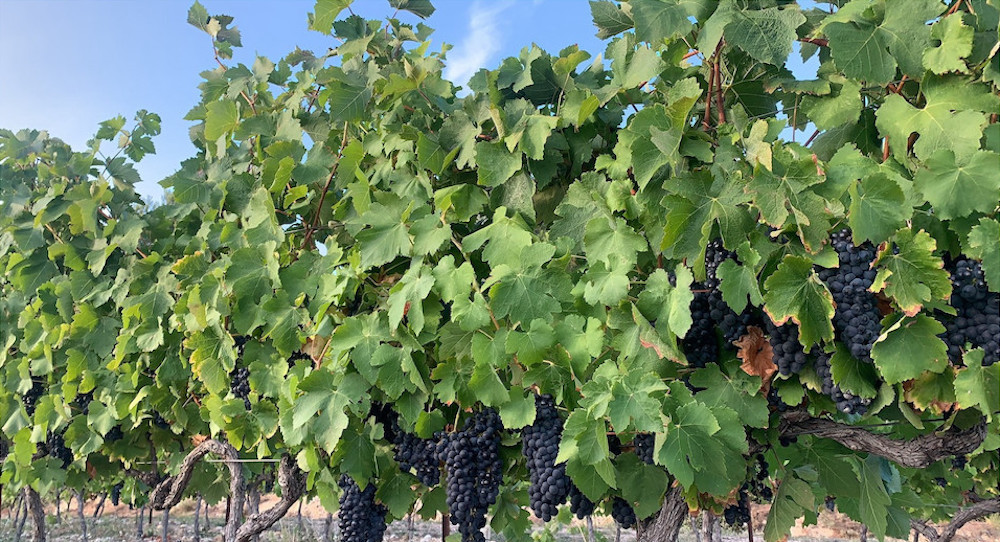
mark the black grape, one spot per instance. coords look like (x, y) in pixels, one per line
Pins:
(579, 504)
(738, 514)
(644, 444)
(56, 448)
(32, 396)
(856, 319)
(474, 468)
(360, 519)
(239, 384)
(623, 513)
(295, 357)
(733, 325)
(116, 493)
(420, 455)
(699, 344)
(830, 502)
(789, 355)
(82, 401)
(549, 485)
(978, 318)
(158, 421)
(846, 402)
(759, 486)
(114, 434)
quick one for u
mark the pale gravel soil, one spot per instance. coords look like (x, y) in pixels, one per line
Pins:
(119, 525)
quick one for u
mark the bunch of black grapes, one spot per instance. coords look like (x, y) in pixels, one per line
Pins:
(789, 355)
(644, 446)
(550, 485)
(32, 396)
(623, 513)
(579, 505)
(733, 325)
(239, 384)
(699, 344)
(419, 455)
(856, 319)
(474, 469)
(738, 514)
(360, 519)
(978, 313)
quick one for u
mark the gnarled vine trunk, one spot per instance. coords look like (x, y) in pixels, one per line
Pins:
(37, 513)
(291, 480)
(666, 524)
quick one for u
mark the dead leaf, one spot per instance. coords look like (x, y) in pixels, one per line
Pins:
(196, 440)
(758, 358)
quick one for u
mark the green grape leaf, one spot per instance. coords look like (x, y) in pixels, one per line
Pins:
(873, 498)
(656, 20)
(947, 121)
(688, 446)
(420, 8)
(739, 282)
(495, 164)
(609, 19)
(325, 12)
(613, 242)
(910, 347)
(957, 188)
(737, 391)
(910, 273)
(795, 292)
(765, 34)
(519, 410)
(853, 375)
(828, 112)
(793, 499)
(978, 385)
(982, 244)
(668, 306)
(220, 119)
(869, 49)
(878, 208)
(643, 486)
(955, 43)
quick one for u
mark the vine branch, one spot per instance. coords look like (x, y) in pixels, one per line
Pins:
(918, 452)
(969, 513)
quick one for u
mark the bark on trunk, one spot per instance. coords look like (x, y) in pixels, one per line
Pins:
(139, 518)
(197, 514)
(22, 516)
(79, 514)
(666, 524)
(969, 513)
(165, 525)
(37, 513)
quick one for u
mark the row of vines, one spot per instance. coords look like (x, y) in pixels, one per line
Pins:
(672, 278)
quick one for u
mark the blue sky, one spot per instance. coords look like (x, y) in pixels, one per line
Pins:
(69, 64)
(66, 65)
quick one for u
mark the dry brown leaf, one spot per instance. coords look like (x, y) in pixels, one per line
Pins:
(315, 348)
(196, 440)
(758, 358)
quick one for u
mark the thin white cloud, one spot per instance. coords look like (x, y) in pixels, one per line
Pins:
(482, 41)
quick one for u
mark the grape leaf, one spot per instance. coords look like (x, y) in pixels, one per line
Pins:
(793, 499)
(738, 283)
(495, 164)
(978, 385)
(873, 498)
(956, 187)
(828, 112)
(878, 208)
(982, 244)
(325, 12)
(220, 119)
(765, 34)
(656, 20)
(609, 19)
(910, 347)
(955, 44)
(795, 292)
(910, 273)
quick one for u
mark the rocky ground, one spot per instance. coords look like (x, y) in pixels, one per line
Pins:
(119, 524)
